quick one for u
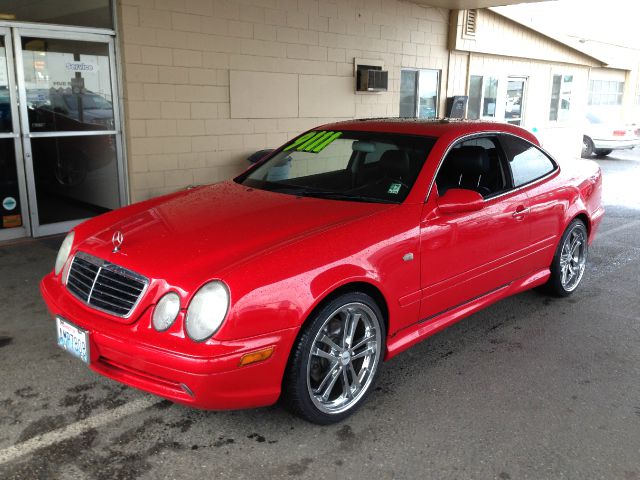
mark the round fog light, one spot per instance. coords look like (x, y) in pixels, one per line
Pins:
(166, 311)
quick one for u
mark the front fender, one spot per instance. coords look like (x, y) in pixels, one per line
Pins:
(279, 289)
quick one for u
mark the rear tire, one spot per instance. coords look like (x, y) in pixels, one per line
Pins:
(602, 152)
(336, 359)
(587, 147)
(569, 261)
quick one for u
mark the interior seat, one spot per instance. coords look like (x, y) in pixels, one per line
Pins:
(395, 165)
(465, 167)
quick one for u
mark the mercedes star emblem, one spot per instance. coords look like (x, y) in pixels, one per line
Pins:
(117, 240)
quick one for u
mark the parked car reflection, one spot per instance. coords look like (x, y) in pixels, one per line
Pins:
(63, 110)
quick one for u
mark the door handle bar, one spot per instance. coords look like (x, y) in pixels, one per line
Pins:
(521, 212)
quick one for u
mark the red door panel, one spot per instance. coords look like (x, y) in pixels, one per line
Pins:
(467, 255)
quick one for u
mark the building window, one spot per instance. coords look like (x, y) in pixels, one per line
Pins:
(605, 92)
(560, 98)
(419, 93)
(483, 96)
(92, 13)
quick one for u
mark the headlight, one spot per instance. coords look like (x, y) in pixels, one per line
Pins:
(166, 311)
(207, 311)
(63, 253)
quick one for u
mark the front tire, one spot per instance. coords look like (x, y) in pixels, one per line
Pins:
(569, 261)
(336, 359)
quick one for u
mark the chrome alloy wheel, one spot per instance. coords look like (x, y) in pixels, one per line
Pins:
(573, 258)
(345, 355)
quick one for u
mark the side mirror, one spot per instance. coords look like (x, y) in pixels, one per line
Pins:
(259, 155)
(460, 200)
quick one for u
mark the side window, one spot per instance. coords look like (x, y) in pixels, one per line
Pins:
(526, 161)
(473, 165)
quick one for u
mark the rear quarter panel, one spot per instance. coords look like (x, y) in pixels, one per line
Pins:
(576, 189)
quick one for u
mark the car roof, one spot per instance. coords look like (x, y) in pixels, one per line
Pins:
(436, 127)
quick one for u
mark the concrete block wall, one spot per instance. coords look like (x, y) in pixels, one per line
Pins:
(179, 57)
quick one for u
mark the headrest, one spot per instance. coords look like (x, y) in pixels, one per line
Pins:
(469, 160)
(395, 163)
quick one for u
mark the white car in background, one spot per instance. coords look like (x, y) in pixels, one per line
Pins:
(602, 137)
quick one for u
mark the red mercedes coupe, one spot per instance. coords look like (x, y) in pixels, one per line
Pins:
(340, 249)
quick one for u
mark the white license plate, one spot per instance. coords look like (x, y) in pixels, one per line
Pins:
(73, 339)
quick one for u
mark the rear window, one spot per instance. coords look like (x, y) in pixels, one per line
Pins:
(527, 162)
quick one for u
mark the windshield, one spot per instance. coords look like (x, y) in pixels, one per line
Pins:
(357, 166)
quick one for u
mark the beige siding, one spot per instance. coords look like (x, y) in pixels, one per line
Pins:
(498, 35)
(187, 123)
(458, 67)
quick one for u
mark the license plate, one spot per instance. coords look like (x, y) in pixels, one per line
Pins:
(73, 339)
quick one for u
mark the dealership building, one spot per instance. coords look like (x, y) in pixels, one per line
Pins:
(108, 103)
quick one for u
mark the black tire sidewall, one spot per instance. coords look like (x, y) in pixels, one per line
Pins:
(590, 148)
(602, 152)
(296, 394)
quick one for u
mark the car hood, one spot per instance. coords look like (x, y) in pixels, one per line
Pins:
(204, 231)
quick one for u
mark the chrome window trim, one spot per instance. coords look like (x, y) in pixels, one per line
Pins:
(25, 229)
(556, 166)
(64, 133)
(104, 264)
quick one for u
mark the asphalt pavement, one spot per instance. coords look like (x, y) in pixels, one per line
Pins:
(531, 388)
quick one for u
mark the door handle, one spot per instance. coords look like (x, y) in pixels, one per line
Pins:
(521, 211)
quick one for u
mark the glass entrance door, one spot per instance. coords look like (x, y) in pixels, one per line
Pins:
(69, 126)
(14, 219)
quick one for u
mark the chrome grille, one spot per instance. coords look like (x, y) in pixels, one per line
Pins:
(104, 285)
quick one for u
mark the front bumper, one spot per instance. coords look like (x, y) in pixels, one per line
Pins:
(214, 381)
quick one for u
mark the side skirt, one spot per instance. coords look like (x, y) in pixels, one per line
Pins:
(417, 332)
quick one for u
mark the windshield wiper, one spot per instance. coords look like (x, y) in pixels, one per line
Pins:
(347, 196)
(332, 194)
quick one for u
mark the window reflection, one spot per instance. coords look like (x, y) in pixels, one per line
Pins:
(408, 93)
(85, 13)
(419, 93)
(68, 85)
(74, 177)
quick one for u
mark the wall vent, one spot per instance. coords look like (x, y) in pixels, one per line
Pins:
(470, 22)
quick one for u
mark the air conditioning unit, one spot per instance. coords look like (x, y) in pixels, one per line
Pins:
(372, 79)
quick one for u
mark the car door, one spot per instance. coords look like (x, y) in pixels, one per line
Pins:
(531, 170)
(466, 255)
